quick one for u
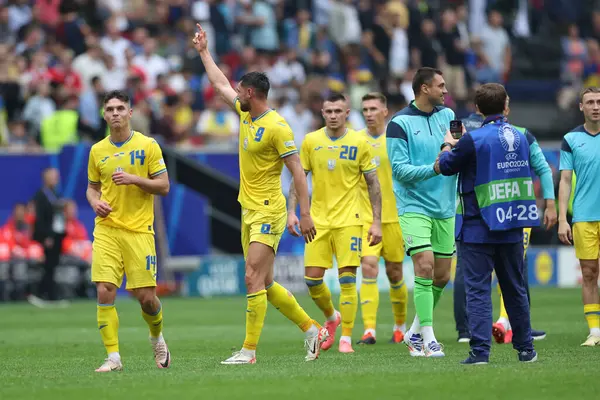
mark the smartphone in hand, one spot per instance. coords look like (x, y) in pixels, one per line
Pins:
(456, 128)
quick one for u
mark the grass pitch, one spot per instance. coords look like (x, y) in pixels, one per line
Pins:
(52, 354)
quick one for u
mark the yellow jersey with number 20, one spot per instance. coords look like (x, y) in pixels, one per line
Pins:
(264, 142)
(132, 208)
(337, 166)
(389, 213)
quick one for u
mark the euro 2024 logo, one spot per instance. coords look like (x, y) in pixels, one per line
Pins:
(510, 141)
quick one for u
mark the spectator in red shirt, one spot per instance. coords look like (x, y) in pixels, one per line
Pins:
(64, 74)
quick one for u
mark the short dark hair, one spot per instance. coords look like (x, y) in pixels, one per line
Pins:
(491, 98)
(335, 96)
(116, 94)
(257, 81)
(591, 89)
(424, 76)
(375, 96)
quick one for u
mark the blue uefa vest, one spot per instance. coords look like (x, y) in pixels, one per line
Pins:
(503, 184)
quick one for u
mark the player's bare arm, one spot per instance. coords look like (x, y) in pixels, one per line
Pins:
(374, 234)
(217, 79)
(158, 185)
(100, 207)
(564, 193)
(299, 193)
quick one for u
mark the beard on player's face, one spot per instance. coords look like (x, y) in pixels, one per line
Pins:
(244, 106)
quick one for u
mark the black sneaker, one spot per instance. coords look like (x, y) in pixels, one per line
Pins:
(538, 335)
(474, 359)
(528, 356)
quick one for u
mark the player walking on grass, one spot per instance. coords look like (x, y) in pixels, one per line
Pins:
(125, 171)
(266, 143)
(580, 153)
(374, 108)
(426, 202)
(338, 158)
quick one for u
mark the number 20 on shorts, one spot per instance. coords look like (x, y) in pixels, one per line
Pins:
(356, 244)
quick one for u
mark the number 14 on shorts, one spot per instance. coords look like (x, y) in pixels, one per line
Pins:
(151, 264)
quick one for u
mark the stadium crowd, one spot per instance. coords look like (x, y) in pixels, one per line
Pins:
(57, 57)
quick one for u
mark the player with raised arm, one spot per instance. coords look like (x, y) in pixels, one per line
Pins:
(266, 143)
(125, 171)
(338, 158)
(374, 109)
(580, 153)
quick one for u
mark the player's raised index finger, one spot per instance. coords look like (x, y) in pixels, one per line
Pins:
(199, 27)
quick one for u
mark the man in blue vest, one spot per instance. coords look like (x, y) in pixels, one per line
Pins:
(502, 330)
(498, 201)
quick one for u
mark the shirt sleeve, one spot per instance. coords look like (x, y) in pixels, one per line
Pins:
(540, 166)
(93, 172)
(156, 163)
(452, 162)
(238, 106)
(367, 165)
(398, 153)
(305, 155)
(566, 156)
(283, 140)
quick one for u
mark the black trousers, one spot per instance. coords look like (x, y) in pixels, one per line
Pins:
(47, 287)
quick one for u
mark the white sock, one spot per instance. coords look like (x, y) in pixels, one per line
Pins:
(401, 328)
(249, 353)
(346, 339)
(115, 357)
(371, 331)
(158, 339)
(312, 331)
(415, 327)
(334, 316)
(504, 322)
(595, 331)
(428, 336)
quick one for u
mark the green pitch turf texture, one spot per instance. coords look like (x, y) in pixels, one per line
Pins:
(52, 354)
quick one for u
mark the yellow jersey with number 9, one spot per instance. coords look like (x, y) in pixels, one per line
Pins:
(337, 166)
(264, 142)
(389, 213)
(132, 208)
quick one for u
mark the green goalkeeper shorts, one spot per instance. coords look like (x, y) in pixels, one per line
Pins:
(422, 233)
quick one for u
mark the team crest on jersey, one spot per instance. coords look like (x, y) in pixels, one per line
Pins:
(118, 169)
(331, 164)
(245, 143)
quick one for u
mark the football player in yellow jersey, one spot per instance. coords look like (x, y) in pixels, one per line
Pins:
(374, 108)
(338, 158)
(125, 171)
(266, 143)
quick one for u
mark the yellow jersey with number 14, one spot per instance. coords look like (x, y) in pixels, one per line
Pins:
(264, 142)
(132, 208)
(337, 166)
(389, 213)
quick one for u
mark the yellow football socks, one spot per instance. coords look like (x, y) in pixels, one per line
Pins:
(321, 295)
(592, 315)
(154, 321)
(255, 318)
(399, 299)
(286, 303)
(369, 302)
(108, 324)
(503, 313)
(348, 302)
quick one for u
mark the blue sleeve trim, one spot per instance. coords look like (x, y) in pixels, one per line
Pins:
(369, 171)
(395, 131)
(289, 153)
(94, 182)
(565, 146)
(162, 171)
